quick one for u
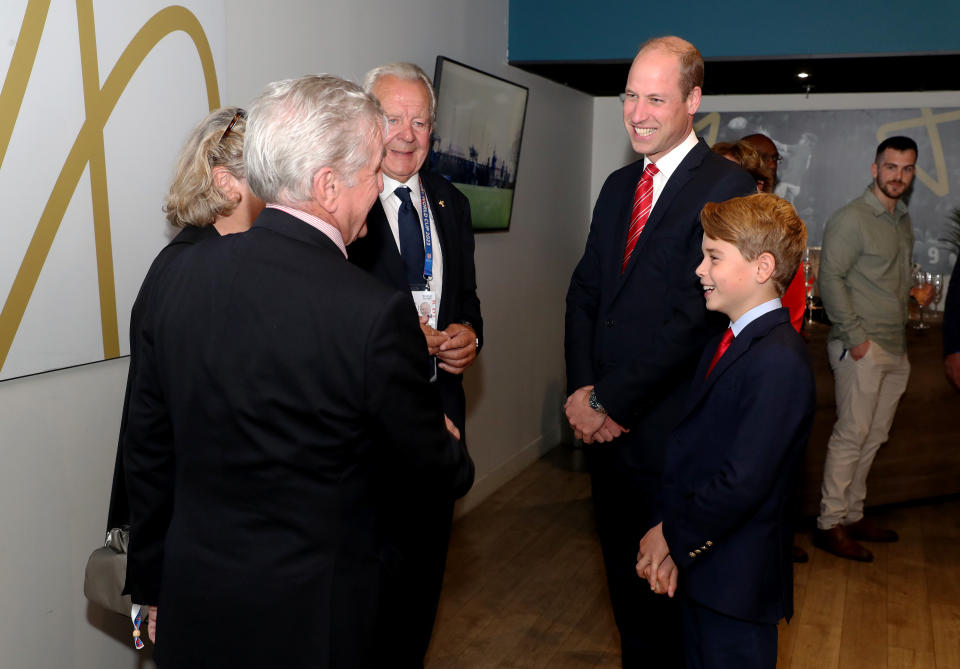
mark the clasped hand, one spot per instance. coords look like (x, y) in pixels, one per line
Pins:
(654, 563)
(455, 347)
(589, 425)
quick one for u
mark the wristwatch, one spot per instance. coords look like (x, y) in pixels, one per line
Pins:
(476, 339)
(595, 403)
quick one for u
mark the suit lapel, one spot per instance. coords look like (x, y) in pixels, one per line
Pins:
(385, 246)
(740, 345)
(675, 185)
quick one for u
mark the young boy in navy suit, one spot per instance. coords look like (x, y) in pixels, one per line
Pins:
(724, 535)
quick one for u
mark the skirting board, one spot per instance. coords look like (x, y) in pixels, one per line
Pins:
(489, 483)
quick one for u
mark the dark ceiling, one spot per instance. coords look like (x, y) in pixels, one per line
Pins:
(929, 72)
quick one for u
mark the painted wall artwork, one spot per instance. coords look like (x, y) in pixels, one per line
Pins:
(476, 139)
(97, 98)
(826, 157)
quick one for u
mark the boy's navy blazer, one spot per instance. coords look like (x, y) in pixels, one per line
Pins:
(730, 468)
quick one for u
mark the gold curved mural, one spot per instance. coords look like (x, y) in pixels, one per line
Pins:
(88, 147)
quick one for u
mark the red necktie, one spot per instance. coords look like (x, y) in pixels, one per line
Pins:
(721, 349)
(642, 204)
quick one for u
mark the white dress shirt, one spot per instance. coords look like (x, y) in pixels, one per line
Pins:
(668, 164)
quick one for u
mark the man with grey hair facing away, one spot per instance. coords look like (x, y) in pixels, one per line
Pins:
(276, 379)
(420, 241)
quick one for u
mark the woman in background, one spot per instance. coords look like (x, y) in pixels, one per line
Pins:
(744, 154)
(209, 197)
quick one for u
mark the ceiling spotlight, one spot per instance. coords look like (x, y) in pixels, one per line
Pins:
(803, 75)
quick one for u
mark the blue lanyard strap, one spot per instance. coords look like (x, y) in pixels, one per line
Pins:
(427, 238)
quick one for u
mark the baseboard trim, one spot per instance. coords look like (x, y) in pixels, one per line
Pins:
(492, 481)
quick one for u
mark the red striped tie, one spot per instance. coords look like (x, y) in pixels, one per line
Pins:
(642, 204)
(721, 349)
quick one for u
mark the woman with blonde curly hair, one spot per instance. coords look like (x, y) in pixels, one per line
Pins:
(209, 197)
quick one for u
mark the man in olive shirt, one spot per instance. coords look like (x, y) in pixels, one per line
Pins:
(865, 286)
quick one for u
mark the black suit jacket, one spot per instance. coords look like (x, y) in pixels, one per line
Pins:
(377, 253)
(274, 378)
(637, 336)
(730, 468)
(118, 514)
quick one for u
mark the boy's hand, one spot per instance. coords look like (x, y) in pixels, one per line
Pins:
(653, 552)
(667, 578)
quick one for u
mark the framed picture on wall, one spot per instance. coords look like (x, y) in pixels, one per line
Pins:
(476, 139)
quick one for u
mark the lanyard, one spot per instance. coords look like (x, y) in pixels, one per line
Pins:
(427, 238)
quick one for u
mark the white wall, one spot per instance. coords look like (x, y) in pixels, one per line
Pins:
(59, 429)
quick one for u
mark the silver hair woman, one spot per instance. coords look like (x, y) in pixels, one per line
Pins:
(209, 197)
(209, 186)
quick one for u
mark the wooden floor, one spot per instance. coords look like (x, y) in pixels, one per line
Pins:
(525, 587)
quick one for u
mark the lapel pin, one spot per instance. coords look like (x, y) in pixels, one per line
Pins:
(441, 203)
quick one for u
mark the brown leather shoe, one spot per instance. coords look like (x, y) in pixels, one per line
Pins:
(867, 530)
(836, 540)
(800, 555)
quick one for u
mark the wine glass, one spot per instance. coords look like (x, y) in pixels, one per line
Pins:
(809, 279)
(921, 284)
(937, 281)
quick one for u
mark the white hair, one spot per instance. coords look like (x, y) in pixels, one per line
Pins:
(299, 126)
(407, 72)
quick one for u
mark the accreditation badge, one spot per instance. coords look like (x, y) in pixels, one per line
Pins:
(426, 302)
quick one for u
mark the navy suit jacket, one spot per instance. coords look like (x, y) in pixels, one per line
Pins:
(730, 468)
(377, 253)
(637, 336)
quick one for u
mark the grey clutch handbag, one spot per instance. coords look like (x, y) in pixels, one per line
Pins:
(106, 573)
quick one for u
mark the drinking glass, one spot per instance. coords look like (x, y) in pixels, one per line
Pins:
(921, 281)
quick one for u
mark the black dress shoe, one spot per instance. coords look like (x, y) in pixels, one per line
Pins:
(867, 530)
(836, 540)
(799, 555)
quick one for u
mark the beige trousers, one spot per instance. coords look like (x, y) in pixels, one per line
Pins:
(867, 393)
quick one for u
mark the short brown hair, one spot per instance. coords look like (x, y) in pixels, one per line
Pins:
(691, 62)
(746, 156)
(194, 197)
(761, 223)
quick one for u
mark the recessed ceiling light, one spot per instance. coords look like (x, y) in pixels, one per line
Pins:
(802, 75)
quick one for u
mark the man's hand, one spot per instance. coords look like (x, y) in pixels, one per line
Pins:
(152, 624)
(609, 431)
(435, 338)
(951, 366)
(584, 420)
(451, 428)
(653, 552)
(859, 350)
(459, 350)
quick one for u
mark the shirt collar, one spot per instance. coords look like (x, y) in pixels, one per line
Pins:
(753, 314)
(330, 231)
(390, 184)
(874, 202)
(669, 162)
